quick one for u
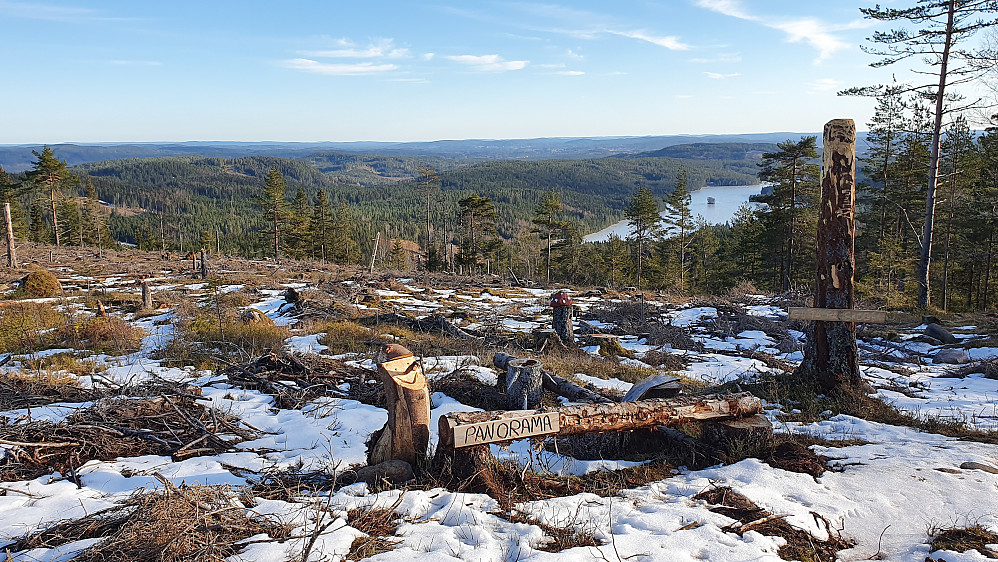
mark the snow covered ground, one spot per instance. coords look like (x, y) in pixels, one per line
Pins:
(885, 491)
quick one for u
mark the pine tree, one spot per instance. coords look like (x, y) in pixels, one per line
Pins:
(37, 230)
(49, 174)
(945, 24)
(8, 194)
(793, 201)
(274, 206)
(644, 220)
(679, 225)
(429, 183)
(478, 221)
(547, 223)
(615, 257)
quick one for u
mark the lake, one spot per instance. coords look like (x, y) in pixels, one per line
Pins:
(727, 199)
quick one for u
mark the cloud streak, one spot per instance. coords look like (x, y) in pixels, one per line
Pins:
(489, 63)
(382, 48)
(329, 69)
(51, 12)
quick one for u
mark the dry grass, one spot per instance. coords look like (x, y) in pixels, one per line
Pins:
(962, 539)
(378, 524)
(102, 334)
(569, 363)
(23, 326)
(345, 336)
(201, 523)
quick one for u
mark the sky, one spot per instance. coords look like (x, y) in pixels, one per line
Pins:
(296, 70)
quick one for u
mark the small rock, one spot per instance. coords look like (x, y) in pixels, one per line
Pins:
(948, 470)
(254, 316)
(395, 472)
(971, 465)
(942, 334)
(951, 357)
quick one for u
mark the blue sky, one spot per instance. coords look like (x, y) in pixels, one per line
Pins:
(106, 71)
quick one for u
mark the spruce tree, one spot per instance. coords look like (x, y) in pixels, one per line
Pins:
(273, 205)
(320, 226)
(49, 175)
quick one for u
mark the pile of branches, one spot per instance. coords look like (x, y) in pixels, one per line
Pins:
(175, 426)
(293, 382)
(171, 524)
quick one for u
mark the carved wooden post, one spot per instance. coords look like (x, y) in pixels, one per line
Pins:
(831, 356)
(562, 304)
(11, 251)
(146, 295)
(406, 436)
(524, 383)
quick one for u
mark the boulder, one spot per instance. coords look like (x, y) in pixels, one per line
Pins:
(942, 334)
(951, 357)
(254, 316)
(395, 472)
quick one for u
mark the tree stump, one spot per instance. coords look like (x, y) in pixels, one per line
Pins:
(146, 295)
(524, 384)
(562, 304)
(406, 436)
(204, 264)
(831, 356)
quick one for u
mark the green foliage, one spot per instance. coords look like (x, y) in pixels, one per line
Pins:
(645, 224)
(41, 283)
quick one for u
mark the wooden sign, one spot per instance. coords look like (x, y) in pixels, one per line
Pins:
(839, 315)
(506, 429)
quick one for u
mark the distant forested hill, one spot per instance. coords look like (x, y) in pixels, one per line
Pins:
(190, 197)
(712, 151)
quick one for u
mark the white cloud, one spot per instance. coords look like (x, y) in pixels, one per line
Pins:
(719, 76)
(382, 48)
(571, 73)
(731, 8)
(670, 42)
(573, 55)
(428, 56)
(818, 34)
(358, 69)
(813, 32)
(683, 96)
(489, 63)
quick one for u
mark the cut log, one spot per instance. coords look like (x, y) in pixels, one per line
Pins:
(737, 433)
(523, 384)
(406, 436)
(593, 418)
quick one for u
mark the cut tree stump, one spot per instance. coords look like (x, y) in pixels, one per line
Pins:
(523, 384)
(406, 436)
(553, 383)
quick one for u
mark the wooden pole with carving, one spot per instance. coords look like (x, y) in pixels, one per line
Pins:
(11, 251)
(831, 356)
(406, 436)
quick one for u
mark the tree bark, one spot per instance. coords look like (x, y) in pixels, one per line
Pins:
(626, 416)
(562, 324)
(11, 250)
(406, 436)
(831, 356)
(55, 215)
